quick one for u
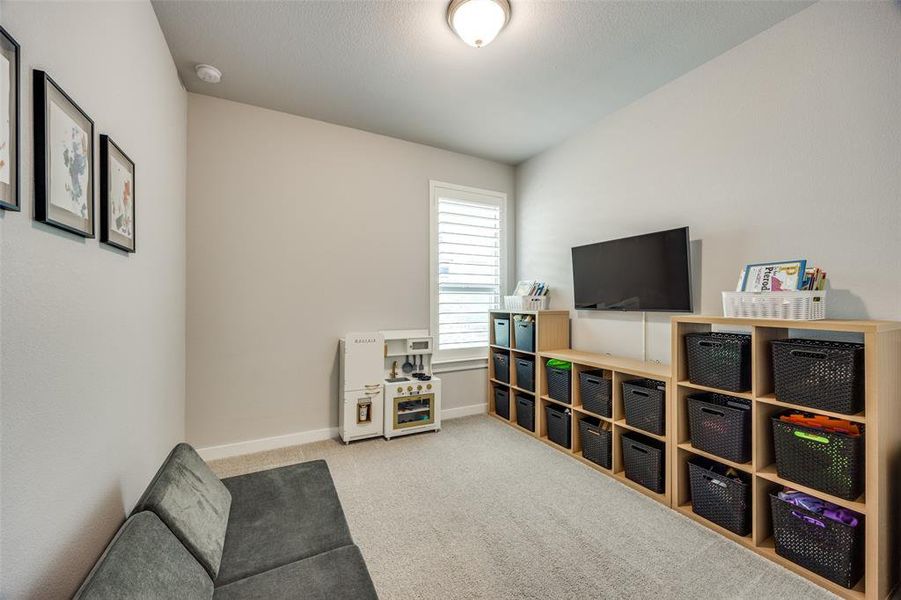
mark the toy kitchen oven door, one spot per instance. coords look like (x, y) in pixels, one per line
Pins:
(412, 394)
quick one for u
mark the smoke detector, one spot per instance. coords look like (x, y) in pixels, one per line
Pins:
(208, 73)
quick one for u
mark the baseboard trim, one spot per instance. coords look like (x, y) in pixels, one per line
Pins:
(308, 437)
(464, 411)
(264, 444)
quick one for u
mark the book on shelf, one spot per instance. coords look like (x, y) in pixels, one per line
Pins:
(814, 279)
(529, 287)
(773, 277)
(783, 276)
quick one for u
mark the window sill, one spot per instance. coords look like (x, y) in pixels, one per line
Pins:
(459, 364)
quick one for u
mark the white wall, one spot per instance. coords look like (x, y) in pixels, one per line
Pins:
(785, 147)
(93, 339)
(298, 232)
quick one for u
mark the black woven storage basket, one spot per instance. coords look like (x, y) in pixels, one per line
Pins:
(643, 461)
(596, 392)
(525, 373)
(524, 335)
(502, 367)
(718, 498)
(558, 424)
(820, 374)
(502, 402)
(644, 401)
(827, 461)
(597, 443)
(525, 411)
(719, 360)
(828, 548)
(720, 425)
(558, 383)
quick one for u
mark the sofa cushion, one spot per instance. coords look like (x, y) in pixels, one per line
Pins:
(145, 561)
(188, 497)
(280, 516)
(338, 574)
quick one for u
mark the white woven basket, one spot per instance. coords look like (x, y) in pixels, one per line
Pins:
(795, 306)
(526, 302)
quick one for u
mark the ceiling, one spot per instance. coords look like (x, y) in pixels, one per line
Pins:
(395, 68)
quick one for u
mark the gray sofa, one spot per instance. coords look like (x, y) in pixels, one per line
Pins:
(276, 534)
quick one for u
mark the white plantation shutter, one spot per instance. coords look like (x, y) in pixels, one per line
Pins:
(468, 267)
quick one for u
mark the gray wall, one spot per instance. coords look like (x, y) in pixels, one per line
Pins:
(93, 340)
(298, 232)
(784, 147)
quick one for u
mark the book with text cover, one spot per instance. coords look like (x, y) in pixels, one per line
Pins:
(773, 277)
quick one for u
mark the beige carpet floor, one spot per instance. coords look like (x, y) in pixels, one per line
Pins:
(480, 510)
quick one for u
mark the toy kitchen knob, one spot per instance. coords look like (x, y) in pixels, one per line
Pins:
(409, 388)
(428, 386)
(400, 389)
(418, 388)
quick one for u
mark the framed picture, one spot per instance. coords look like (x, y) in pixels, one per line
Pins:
(63, 159)
(117, 196)
(9, 122)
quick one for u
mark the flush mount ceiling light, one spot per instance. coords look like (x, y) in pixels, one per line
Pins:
(208, 73)
(478, 22)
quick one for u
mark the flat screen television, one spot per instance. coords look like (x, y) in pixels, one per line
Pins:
(650, 272)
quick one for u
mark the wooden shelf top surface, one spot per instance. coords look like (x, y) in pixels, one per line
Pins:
(771, 399)
(704, 388)
(504, 311)
(614, 363)
(746, 467)
(769, 473)
(622, 423)
(861, 326)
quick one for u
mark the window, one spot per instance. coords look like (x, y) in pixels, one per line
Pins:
(468, 268)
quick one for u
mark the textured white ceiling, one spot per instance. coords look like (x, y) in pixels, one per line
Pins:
(396, 68)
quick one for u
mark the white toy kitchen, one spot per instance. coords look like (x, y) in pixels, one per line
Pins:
(405, 399)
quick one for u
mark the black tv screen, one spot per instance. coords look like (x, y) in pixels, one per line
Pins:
(650, 272)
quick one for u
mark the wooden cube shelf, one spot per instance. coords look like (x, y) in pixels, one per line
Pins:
(881, 417)
(551, 331)
(552, 341)
(882, 341)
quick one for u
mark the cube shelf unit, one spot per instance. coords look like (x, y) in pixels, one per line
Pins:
(618, 370)
(881, 417)
(551, 331)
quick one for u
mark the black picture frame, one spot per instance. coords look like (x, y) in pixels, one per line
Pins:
(108, 152)
(9, 191)
(51, 154)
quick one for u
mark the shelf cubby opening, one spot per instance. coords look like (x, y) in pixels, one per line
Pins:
(765, 543)
(682, 499)
(492, 334)
(683, 431)
(578, 442)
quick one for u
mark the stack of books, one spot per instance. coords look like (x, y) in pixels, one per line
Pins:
(814, 279)
(529, 287)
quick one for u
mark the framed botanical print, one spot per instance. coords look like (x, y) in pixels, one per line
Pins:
(63, 159)
(117, 196)
(9, 122)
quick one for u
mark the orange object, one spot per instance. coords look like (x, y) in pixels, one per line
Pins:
(822, 422)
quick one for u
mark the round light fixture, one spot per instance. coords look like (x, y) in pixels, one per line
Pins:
(478, 22)
(208, 73)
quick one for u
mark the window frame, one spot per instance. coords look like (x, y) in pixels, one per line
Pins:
(462, 358)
